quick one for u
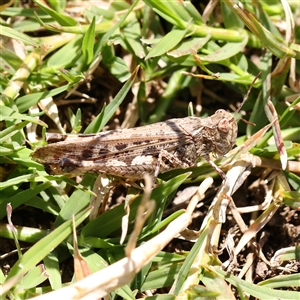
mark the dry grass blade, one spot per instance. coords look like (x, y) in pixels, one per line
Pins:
(144, 211)
(234, 154)
(81, 268)
(273, 118)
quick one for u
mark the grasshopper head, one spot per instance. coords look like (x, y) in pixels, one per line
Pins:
(225, 132)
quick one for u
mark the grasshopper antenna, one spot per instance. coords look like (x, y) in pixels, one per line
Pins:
(248, 92)
(245, 99)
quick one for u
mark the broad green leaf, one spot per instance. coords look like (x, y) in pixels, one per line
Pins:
(34, 277)
(53, 270)
(99, 13)
(193, 13)
(282, 281)
(44, 204)
(9, 114)
(21, 197)
(58, 5)
(24, 234)
(10, 61)
(25, 102)
(66, 56)
(61, 19)
(157, 278)
(11, 130)
(88, 43)
(9, 32)
(129, 39)
(168, 42)
(115, 64)
(187, 47)
(167, 11)
(4, 151)
(25, 12)
(16, 180)
(226, 52)
(230, 20)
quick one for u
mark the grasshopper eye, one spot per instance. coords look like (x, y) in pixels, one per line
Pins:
(224, 125)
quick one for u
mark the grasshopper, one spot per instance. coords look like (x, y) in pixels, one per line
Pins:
(151, 149)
